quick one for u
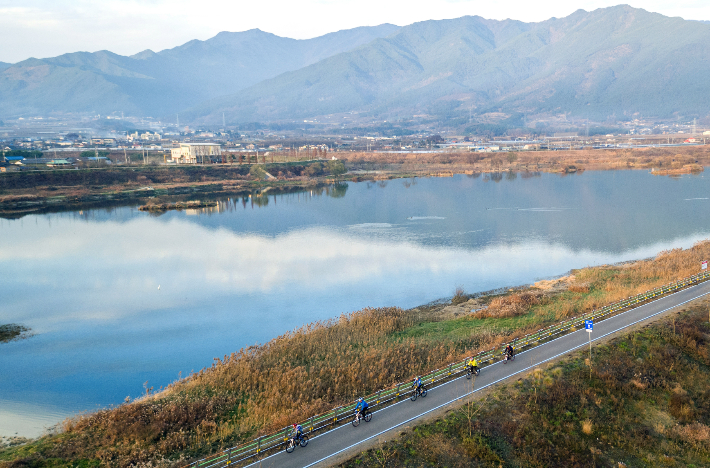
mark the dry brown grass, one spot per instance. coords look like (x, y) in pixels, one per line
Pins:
(510, 306)
(695, 433)
(587, 426)
(669, 161)
(261, 389)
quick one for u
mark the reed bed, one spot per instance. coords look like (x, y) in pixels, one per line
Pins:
(321, 365)
(665, 161)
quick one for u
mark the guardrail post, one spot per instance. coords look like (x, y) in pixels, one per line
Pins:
(398, 385)
(310, 422)
(258, 445)
(197, 464)
(450, 366)
(229, 457)
(378, 397)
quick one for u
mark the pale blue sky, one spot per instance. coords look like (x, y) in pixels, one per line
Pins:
(44, 28)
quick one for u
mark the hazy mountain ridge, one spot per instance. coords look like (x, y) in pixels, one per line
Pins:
(150, 83)
(610, 61)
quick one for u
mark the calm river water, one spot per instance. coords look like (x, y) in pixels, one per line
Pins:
(118, 298)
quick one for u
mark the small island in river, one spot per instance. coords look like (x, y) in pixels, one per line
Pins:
(12, 332)
(188, 205)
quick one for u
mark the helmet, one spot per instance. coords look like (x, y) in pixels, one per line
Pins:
(294, 425)
(360, 399)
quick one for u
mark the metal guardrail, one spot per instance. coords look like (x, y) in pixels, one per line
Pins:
(386, 396)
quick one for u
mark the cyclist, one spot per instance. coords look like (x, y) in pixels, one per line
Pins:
(472, 364)
(417, 384)
(296, 432)
(509, 351)
(361, 408)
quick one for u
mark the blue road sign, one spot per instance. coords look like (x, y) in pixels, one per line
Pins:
(589, 325)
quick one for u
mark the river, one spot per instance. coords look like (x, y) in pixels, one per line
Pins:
(120, 300)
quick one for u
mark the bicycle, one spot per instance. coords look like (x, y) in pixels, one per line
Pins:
(367, 416)
(302, 441)
(470, 372)
(509, 357)
(421, 391)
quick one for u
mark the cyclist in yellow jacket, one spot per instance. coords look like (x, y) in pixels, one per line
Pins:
(472, 364)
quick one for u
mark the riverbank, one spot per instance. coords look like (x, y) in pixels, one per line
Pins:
(644, 401)
(325, 364)
(22, 193)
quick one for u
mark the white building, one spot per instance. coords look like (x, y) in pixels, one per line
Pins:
(192, 153)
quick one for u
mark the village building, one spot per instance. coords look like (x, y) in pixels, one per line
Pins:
(192, 153)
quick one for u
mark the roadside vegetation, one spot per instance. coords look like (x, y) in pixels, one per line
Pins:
(263, 388)
(645, 402)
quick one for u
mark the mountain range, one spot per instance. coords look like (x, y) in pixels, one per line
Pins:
(156, 84)
(610, 63)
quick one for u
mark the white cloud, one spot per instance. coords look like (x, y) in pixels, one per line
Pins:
(43, 28)
(103, 277)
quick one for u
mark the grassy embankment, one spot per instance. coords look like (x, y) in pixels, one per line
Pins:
(260, 389)
(645, 402)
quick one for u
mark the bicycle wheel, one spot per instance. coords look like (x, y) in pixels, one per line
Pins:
(478, 371)
(356, 421)
(290, 446)
(368, 417)
(468, 374)
(423, 391)
(512, 357)
(505, 360)
(414, 396)
(304, 440)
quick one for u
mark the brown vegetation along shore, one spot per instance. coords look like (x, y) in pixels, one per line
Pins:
(644, 402)
(188, 205)
(263, 388)
(674, 160)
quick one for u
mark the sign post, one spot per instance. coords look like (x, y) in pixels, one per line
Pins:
(704, 265)
(589, 326)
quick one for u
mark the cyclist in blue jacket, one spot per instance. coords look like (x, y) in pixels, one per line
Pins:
(296, 432)
(361, 407)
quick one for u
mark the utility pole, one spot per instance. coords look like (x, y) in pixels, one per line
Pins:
(178, 122)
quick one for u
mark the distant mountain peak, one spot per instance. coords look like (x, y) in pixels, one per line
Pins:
(144, 55)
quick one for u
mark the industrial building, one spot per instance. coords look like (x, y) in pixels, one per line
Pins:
(192, 153)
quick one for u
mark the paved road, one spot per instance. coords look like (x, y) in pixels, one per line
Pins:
(321, 449)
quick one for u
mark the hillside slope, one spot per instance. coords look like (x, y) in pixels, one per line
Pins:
(609, 62)
(156, 84)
